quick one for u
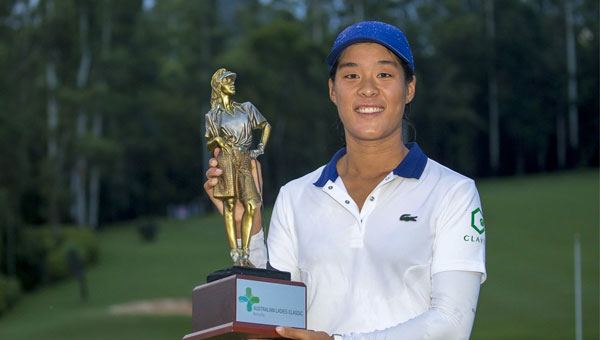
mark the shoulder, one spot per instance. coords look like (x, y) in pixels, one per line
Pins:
(294, 194)
(447, 183)
(443, 175)
(212, 112)
(303, 183)
(247, 106)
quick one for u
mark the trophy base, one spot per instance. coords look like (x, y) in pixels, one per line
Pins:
(249, 271)
(241, 307)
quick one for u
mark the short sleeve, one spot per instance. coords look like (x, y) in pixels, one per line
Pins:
(281, 241)
(212, 130)
(460, 232)
(256, 118)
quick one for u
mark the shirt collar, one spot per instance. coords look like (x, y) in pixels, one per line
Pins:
(412, 165)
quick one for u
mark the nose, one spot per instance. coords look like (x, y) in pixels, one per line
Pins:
(368, 88)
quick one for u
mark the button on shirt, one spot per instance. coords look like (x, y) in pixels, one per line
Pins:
(371, 269)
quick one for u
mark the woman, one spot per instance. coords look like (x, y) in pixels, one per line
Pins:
(389, 243)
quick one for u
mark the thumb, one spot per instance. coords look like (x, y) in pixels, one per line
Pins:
(288, 332)
(301, 334)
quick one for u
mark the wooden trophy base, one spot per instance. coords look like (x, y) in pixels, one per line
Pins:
(236, 331)
(234, 306)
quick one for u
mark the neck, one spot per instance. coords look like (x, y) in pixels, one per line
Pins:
(372, 158)
(226, 103)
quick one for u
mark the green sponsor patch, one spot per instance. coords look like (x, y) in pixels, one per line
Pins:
(477, 221)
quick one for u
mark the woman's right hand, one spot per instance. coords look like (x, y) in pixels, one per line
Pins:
(212, 178)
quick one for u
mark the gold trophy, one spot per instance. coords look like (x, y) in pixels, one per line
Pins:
(229, 126)
(241, 301)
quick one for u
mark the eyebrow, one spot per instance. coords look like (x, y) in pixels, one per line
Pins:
(349, 64)
(387, 62)
(380, 62)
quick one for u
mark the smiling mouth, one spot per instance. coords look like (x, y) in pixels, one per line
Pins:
(369, 109)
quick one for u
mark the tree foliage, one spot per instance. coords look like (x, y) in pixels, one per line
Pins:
(149, 82)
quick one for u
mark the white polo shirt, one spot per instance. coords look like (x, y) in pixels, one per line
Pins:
(371, 269)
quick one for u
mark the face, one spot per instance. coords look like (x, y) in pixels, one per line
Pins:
(370, 92)
(228, 86)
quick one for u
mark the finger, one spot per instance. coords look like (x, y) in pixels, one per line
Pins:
(301, 334)
(291, 333)
(213, 173)
(217, 151)
(209, 188)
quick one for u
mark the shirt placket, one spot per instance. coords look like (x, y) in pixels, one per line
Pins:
(340, 195)
(371, 203)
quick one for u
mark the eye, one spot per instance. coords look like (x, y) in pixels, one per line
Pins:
(351, 76)
(384, 75)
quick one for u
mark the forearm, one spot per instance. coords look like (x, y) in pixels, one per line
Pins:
(266, 127)
(213, 143)
(258, 250)
(453, 304)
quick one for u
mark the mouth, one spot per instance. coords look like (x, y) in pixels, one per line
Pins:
(368, 109)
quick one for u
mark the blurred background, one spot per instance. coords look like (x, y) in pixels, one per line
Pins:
(103, 155)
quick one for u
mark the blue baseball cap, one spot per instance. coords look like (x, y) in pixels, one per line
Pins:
(372, 31)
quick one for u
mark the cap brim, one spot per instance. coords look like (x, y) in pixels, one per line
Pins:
(228, 74)
(335, 54)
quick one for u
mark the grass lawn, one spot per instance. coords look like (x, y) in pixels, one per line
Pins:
(129, 270)
(530, 224)
(530, 227)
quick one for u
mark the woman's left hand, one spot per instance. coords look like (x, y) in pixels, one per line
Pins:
(301, 334)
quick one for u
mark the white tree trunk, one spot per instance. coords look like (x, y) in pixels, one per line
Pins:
(78, 208)
(315, 12)
(359, 10)
(78, 175)
(94, 201)
(52, 107)
(572, 72)
(95, 174)
(561, 141)
(494, 123)
(52, 125)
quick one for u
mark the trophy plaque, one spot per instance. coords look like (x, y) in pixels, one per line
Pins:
(242, 307)
(241, 302)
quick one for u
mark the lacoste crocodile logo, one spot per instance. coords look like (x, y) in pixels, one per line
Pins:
(408, 218)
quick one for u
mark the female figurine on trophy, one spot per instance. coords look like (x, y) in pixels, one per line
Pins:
(229, 126)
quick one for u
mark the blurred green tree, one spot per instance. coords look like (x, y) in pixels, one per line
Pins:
(141, 101)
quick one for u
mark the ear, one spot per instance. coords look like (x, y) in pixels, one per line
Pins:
(410, 93)
(332, 91)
